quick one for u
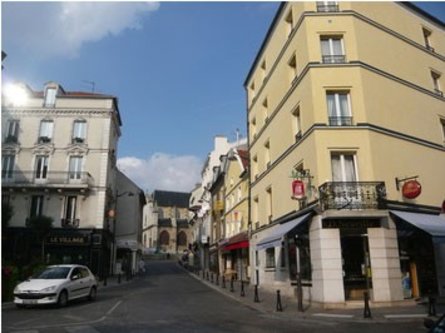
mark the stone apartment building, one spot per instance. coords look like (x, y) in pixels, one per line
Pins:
(59, 160)
(346, 129)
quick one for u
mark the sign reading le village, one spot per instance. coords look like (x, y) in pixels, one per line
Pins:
(68, 240)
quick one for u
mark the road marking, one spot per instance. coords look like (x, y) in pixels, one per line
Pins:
(413, 315)
(81, 329)
(114, 307)
(332, 315)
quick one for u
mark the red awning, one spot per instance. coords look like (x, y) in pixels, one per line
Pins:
(239, 241)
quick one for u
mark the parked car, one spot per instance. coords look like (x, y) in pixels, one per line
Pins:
(435, 326)
(57, 284)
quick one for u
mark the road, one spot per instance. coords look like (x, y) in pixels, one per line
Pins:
(167, 299)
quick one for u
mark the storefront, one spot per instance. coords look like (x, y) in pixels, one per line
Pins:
(235, 256)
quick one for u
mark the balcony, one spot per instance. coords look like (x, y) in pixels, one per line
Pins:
(11, 139)
(44, 139)
(70, 223)
(340, 121)
(352, 195)
(333, 59)
(49, 179)
(327, 7)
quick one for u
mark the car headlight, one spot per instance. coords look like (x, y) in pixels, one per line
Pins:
(48, 289)
(16, 290)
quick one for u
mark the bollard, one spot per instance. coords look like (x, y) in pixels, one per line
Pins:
(279, 306)
(119, 278)
(223, 282)
(217, 279)
(256, 299)
(203, 275)
(211, 277)
(242, 289)
(105, 281)
(207, 277)
(367, 310)
(231, 284)
(431, 306)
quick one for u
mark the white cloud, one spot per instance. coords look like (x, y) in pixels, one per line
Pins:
(61, 28)
(163, 171)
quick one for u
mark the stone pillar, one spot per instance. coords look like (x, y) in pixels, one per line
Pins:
(327, 272)
(385, 264)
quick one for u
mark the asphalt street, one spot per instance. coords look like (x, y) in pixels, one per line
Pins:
(168, 299)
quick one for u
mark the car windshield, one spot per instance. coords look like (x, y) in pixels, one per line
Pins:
(53, 273)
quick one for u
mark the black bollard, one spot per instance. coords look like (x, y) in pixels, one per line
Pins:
(119, 278)
(105, 281)
(279, 306)
(217, 279)
(207, 276)
(203, 275)
(367, 310)
(231, 284)
(431, 306)
(242, 289)
(211, 277)
(223, 282)
(256, 299)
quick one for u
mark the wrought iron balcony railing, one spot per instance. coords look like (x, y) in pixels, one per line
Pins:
(324, 7)
(48, 178)
(333, 59)
(11, 139)
(352, 195)
(340, 121)
(70, 223)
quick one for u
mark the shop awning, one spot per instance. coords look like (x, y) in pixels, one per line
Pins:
(432, 224)
(239, 241)
(279, 231)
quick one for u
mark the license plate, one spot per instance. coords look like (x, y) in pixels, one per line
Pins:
(29, 301)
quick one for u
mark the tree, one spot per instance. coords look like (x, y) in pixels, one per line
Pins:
(41, 225)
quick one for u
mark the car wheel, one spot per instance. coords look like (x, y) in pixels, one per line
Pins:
(93, 294)
(63, 299)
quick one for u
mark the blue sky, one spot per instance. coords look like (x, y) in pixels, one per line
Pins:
(177, 68)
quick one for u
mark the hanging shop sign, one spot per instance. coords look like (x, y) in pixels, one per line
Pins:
(411, 189)
(298, 189)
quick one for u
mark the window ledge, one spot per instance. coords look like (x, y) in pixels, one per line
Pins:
(270, 269)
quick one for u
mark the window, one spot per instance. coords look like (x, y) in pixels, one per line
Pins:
(263, 70)
(266, 110)
(255, 210)
(436, 83)
(282, 257)
(182, 239)
(344, 167)
(46, 131)
(70, 212)
(79, 131)
(292, 63)
(442, 122)
(267, 154)
(164, 238)
(41, 167)
(8, 162)
(257, 259)
(255, 167)
(269, 204)
(75, 171)
(289, 23)
(12, 133)
(332, 50)
(253, 128)
(327, 6)
(296, 124)
(36, 206)
(252, 91)
(238, 194)
(339, 108)
(50, 97)
(270, 257)
(427, 38)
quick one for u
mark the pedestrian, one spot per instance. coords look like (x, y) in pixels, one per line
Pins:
(142, 265)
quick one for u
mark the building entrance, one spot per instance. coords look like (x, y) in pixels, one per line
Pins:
(355, 260)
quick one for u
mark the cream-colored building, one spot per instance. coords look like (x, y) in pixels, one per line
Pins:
(59, 160)
(347, 97)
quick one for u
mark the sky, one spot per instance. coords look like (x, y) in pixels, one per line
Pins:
(177, 69)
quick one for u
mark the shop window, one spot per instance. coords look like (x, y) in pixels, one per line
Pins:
(270, 257)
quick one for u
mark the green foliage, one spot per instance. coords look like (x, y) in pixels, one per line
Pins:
(41, 225)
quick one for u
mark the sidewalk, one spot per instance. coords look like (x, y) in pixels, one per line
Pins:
(354, 311)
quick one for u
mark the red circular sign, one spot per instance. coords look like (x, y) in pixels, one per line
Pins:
(298, 189)
(411, 189)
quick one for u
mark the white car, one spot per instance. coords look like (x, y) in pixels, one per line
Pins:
(57, 285)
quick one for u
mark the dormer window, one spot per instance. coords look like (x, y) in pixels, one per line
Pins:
(79, 131)
(50, 97)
